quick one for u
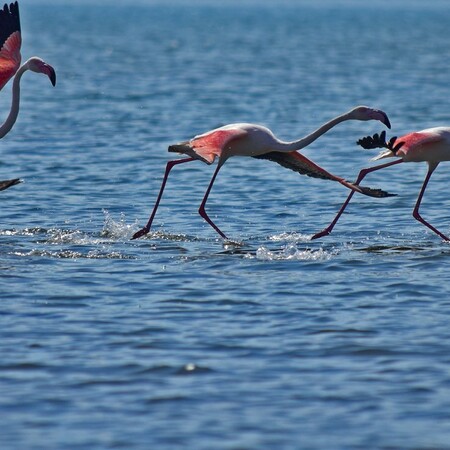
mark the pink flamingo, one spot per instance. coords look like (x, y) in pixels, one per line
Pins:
(431, 145)
(10, 58)
(245, 139)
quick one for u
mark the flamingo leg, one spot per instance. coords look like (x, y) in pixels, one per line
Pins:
(169, 167)
(362, 174)
(416, 214)
(202, 211)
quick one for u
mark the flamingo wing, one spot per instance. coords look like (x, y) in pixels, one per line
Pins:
(5, 184)
(10, 42)
(298, 163)
(209, 145)
(419, 138)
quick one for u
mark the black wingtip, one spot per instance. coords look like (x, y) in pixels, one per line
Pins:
(9, 21)
(377, 193)
(5, 184)
(375, 141)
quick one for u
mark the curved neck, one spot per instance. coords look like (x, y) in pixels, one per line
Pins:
(305, 141)
(12, 117)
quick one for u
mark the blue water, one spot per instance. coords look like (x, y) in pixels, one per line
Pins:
(179, 341)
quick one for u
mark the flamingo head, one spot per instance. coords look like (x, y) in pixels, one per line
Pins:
(366, 113)
(36, 64)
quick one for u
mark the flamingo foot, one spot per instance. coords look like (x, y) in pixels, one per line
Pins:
(229, 244)
(322, 233)
(140, 233)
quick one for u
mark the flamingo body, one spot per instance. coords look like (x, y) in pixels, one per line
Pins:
(206, 147)
(247, 139)
(431, 145)
(237, 139)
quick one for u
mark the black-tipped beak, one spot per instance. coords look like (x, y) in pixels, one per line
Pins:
(386, 120)
(52, 75)
(48, 70)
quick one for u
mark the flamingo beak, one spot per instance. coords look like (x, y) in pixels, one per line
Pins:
(52, 76)
(385, 119)
(50, 72)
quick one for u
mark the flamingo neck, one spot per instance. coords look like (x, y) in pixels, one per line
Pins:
(305, 141)
(14, 112)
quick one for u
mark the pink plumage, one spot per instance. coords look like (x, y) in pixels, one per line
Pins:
(10, 42)
(427, 145)
(209, 145)
(10, 58)
(417, 139)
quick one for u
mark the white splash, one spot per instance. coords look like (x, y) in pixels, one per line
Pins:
(58, 236)
(292, 253)
(118, 229)
(290, 237)
(71, 254)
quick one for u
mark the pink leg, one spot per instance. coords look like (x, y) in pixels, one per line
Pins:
(416, 214)
(202, 211)
(169, 167)
(361, 176)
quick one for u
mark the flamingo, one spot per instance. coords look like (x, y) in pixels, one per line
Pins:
(431, 145)
(246, 139)
(10, 58)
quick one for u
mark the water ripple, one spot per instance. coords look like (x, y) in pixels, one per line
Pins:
(183, 340)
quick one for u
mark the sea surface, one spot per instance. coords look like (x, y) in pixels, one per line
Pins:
(183, 341)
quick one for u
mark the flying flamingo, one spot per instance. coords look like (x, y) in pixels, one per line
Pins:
(245, 139)
(10, 58)
(431, 145)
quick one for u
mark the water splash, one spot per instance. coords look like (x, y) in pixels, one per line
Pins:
(292, 253)
(119, 230)
(71, 254)
(58, 236)
(53, 236)
(291, 237)
(60, 243)
(25, 232)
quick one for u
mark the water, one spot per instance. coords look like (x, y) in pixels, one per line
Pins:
(180, 340)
